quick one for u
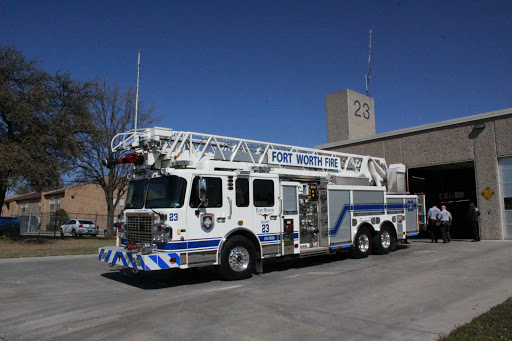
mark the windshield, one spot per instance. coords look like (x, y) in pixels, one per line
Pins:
(136, 194)
(163, 192)
(166, 191)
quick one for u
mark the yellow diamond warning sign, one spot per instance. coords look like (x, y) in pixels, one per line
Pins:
(487, 193)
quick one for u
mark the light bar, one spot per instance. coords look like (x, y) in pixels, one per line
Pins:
(181, 163)
(264, 169)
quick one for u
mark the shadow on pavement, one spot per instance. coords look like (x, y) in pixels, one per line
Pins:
(152, 280)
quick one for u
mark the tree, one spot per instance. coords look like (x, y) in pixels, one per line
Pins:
(42, 117)
(112, 112)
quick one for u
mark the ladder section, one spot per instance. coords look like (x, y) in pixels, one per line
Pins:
(179, 145)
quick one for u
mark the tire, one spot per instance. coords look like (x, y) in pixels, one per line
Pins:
(384, 241)
(362, 244)
(94, 235)
(237, 259)
(61, 233)
(73, 233)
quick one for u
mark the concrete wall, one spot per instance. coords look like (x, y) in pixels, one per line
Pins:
(486, 173)
(503, 130)
(448, 145)
(350, 115)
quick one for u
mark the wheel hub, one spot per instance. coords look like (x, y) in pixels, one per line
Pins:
(385, 239)
(363, 243)
(238, 259)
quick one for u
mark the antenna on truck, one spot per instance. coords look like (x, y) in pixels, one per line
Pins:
(137, 93)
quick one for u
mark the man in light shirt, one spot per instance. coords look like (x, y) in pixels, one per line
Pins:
(444, 218)
(432, 222)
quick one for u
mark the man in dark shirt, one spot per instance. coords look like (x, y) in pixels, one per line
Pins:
(473, 214)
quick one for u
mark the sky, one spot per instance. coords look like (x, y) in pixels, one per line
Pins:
(261, 69)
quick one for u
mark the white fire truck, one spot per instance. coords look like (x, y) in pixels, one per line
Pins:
(198, 199)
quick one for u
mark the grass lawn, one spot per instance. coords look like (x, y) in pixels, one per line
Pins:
(496, 324)
(41, 246)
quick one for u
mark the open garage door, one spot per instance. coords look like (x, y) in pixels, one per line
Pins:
(452, 185)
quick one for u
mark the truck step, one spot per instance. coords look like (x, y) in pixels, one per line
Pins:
(314, 252)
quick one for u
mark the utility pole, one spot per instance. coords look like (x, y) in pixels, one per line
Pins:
(368, 75)
(137, 92)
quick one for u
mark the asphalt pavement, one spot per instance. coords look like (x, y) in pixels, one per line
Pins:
(419, 292)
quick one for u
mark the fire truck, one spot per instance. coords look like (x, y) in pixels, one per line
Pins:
(197, 200)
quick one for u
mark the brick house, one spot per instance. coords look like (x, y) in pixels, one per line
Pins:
(36, 210)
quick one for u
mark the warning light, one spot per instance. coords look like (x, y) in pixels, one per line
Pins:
(132, 158)
(313, 193)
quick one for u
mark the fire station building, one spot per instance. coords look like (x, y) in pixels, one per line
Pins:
(452, 162)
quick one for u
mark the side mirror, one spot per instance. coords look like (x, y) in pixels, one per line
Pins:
(203, 194)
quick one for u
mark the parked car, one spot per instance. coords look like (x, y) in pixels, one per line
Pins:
(79, 227)
(9, 225)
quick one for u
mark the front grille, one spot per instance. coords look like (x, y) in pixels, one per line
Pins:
(139, 229)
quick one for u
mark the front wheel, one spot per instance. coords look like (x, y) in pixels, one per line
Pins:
(61, 233)
(237, 259)
(362, 245)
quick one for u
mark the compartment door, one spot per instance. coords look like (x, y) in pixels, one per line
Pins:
(290, 217)
(411, 216)
(339, 216)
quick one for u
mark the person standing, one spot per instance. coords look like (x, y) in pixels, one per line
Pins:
(432, 222)
(473, 214)
(445, 220)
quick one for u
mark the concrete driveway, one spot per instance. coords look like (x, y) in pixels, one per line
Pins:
(415, 293)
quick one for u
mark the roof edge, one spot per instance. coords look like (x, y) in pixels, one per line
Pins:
(429, 126)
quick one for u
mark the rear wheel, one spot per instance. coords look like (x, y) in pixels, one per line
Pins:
(362, 245)
(238, 258)
(384, 241)
(73, 233)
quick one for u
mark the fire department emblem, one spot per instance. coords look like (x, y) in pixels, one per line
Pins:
(411, 205)
(207, 222)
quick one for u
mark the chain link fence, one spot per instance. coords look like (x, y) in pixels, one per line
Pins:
(44, 223)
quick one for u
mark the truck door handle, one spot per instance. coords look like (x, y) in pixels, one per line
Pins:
(221, 220)
(273, 217)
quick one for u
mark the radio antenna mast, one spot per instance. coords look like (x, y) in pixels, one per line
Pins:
(368, 75)
(137, 93)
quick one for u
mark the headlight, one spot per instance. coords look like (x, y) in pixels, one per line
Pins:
(121, 231)
(162, 233)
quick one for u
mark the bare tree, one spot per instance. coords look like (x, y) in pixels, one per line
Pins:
(112, 112)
